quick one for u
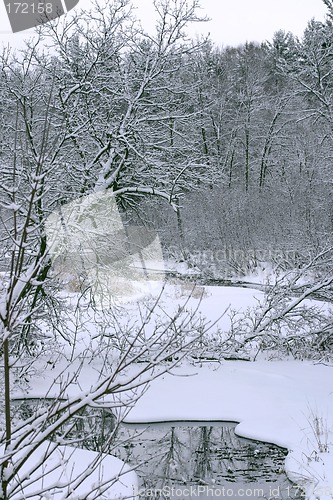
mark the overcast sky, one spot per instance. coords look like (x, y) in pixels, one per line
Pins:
(232, 21)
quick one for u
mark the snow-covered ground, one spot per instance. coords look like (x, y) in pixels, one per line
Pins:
(289, 403)
(55, 477)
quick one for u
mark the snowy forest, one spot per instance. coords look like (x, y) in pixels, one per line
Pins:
(210, 168)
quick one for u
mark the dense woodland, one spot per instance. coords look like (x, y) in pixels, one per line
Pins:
(239, 138)
(225, 152)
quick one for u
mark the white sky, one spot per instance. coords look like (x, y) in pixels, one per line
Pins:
(232, 21)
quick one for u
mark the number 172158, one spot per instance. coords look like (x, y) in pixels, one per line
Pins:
(29, 8)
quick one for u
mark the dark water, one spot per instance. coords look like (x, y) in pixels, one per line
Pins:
(183, 459)
(197, 460)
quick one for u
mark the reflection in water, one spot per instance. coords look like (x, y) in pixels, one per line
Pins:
(179, 455)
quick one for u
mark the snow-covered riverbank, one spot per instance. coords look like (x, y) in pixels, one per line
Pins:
(289, 403)
(286, 402)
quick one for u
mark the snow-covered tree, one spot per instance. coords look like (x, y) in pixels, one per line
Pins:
(82, 122)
